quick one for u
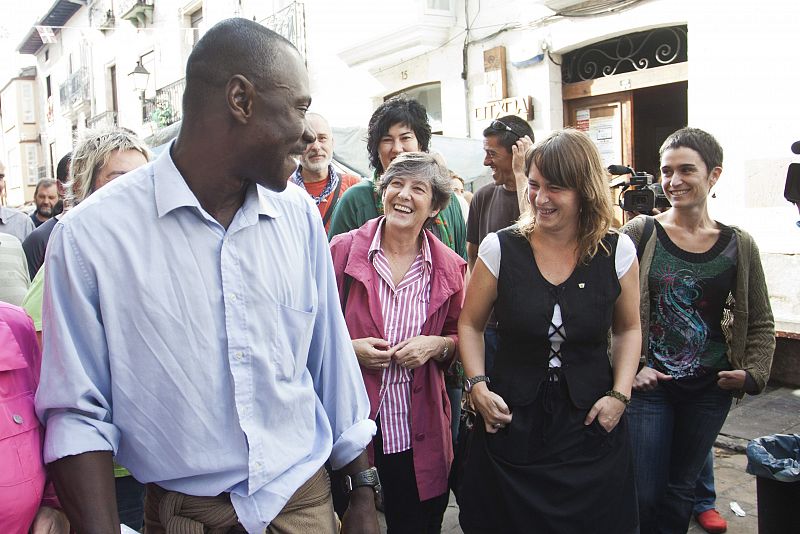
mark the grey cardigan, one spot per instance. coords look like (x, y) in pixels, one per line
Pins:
(747, 320)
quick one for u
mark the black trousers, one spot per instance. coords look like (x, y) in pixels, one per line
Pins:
(405, 513)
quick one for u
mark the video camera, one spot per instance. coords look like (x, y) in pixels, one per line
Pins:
(791, 190)
(639, 193)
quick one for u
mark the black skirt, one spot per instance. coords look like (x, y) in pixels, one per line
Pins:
(547, 472)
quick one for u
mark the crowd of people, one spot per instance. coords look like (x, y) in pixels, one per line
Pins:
(238, 337)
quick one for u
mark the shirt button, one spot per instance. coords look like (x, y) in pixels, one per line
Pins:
(258, 465)
(232, 297)
(238, 355)
(419, 437)
(417, 389)
(18, 419)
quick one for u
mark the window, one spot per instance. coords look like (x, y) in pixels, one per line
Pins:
(430, 96)
(112, 85)
(32, 164)
(439, 5)
(28, 109)
(48, 86)
(195, 22)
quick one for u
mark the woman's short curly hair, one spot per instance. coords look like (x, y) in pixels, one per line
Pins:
(397, 110)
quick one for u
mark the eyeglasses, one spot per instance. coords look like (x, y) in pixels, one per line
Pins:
(500, 126)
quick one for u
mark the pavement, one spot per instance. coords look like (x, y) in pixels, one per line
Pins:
(776, 411)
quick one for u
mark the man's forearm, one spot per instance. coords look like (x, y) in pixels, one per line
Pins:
(85, 487)
(360, 516)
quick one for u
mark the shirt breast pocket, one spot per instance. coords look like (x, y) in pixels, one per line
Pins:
(293, 331)
(20, 442)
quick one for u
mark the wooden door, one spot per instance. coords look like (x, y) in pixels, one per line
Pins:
(607, 119)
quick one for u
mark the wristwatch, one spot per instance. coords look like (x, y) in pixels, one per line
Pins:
(368, 477)
(469, 383)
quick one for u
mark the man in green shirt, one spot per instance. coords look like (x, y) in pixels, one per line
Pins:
(398, 125)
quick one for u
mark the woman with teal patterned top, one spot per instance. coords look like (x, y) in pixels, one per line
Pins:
(707, 331)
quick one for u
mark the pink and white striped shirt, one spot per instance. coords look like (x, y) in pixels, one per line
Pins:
(404, 309)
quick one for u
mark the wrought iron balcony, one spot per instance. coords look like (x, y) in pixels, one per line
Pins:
(103, 120)
(290, 22)
(75, 91)
(167, 106)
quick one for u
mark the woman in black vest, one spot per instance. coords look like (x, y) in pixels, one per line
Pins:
(549, 452)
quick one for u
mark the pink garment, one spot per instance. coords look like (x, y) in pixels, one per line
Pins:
(404, 309)
(430, 408)
(22, 472)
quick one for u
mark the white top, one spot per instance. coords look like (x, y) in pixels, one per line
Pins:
(489, 253)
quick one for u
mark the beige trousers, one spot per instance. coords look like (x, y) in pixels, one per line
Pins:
(309, 510)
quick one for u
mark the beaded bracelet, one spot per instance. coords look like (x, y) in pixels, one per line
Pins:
(619, 396)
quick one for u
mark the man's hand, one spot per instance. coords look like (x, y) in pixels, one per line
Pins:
(50, 521)
(648, 379)
(360, 516)
(731, 380)
(414, 352)
(373, 353)
(608, 412)
(518, 161)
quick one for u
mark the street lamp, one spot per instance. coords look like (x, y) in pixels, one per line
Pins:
(140, 76)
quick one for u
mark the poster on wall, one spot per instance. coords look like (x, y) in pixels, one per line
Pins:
(603, 124)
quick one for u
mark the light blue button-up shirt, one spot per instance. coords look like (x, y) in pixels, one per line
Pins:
(15, 223)
(207, 360)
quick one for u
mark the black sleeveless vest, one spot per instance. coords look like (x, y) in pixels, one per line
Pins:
(524, 309)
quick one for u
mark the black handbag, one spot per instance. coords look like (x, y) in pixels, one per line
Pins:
(466, 424)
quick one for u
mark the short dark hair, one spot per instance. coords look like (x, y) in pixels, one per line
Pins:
(62, 171)
(698, 140)
(44, 182)
(504, 137)
(232, 46)
(397, 110)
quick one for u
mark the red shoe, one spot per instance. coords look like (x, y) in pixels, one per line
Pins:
(712, 522)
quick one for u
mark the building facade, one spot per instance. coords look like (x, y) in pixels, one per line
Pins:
(627, 71)
(21, 120)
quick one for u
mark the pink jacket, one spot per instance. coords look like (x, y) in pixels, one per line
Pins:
(430, 409)
(22, 473)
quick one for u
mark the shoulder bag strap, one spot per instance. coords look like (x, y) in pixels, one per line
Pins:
(647, 231)
(334, 201)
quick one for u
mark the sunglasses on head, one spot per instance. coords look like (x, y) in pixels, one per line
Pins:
(500, 126)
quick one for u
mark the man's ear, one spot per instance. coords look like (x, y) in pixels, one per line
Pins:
(240, 95)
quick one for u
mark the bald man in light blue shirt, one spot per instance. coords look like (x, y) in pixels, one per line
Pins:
(192, 324)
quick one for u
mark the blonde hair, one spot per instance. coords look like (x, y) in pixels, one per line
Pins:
(568, 158)
(92, 154)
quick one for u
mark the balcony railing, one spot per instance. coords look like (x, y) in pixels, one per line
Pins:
(290, 22)
(75, 90)
(106, 119)
(167, 106)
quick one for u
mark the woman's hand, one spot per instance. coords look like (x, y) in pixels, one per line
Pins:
(414, 352)
(492, 407)
(731, 379)
(608, 412)
(373, 353)
(50, 521)
(648, 379)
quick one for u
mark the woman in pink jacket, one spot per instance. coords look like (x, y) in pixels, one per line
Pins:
(27, 502)
(402, 291)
